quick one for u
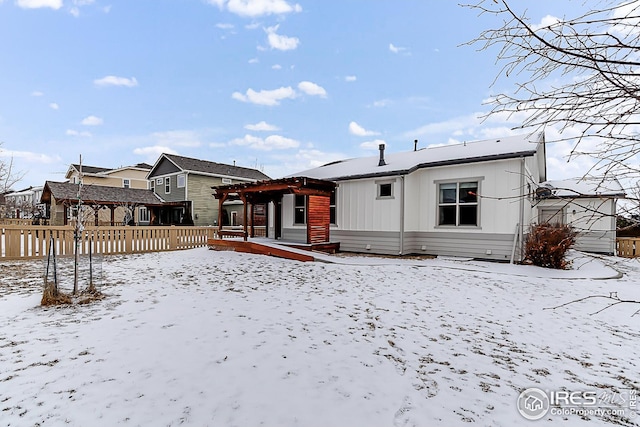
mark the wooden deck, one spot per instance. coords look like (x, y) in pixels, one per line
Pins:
(295, 252)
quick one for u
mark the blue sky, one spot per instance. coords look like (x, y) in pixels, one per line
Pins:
(274, 84)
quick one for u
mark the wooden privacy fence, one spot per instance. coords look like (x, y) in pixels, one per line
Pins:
(28, 242)
(628, 247)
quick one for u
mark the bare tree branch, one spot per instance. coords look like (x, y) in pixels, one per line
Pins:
(580, 73)
(8, 176)
(613, 296)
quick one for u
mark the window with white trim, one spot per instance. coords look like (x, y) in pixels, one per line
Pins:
(167, 185)
(458, 204)
(152, 185)
(143, 214)
(126, 183)
(385, 190)
(181, 181)
(551, 216)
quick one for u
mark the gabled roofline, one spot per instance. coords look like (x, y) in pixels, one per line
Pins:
(155, 165)
(195, 172)
(102, 174)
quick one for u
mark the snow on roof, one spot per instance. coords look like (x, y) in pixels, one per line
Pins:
(586, 187)
(441, 155)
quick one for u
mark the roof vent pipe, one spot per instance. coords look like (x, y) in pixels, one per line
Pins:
(415, 145)
(381, 162)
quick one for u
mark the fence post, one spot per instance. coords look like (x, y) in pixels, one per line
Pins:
(173, 238)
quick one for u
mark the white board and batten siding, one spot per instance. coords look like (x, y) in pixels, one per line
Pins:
(367, 223)
(593, 218)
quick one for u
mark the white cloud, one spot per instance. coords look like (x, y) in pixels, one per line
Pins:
(398, 49)
(311, 88)
(37, 4)
(350, 78)
(30, 156)
(373, 145)
(73, 132)
(276, 67)
(219, 3)
(54, 106)
(224, 26)
(116, 81)
(254, 61)
(356, 129)
(37, 93)
(262, 126)
(382, 103)
(280, 42)
(177, 138)
(303, 159)
(546, 22)
(92, 121)
(626, 18)
(265, 97)
(255, 8)
(272, 142)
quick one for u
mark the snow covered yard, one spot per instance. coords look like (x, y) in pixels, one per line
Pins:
(208, 338)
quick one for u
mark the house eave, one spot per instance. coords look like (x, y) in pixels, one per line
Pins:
(452, 162)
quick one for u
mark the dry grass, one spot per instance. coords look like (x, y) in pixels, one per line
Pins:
(52, 297)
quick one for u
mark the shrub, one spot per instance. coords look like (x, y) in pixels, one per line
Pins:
(547, 245)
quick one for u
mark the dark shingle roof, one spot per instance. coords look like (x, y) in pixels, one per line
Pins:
(99, 194)
(205, 166)
(143, 166)
(89, 169)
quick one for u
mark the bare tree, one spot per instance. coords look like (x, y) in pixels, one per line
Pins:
(8, 175)
(580, 73)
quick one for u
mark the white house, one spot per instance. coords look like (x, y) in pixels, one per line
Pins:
(24, 203)
(474, 199)
(589, 205)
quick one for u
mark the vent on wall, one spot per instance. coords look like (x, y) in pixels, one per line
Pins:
(543, 193)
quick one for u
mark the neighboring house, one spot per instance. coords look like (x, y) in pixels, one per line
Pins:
(3, 206)
(24, 203)
(101, 205)
(473, 199)
(184, 179)
(588, 205)
(123, 177)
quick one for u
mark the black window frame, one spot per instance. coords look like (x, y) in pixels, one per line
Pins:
(299, 209)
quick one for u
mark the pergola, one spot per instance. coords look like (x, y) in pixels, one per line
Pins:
(318, 192)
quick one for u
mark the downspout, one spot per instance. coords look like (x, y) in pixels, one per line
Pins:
(521, 228)
(402, 215)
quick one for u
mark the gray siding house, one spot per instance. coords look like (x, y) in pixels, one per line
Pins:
(183, 179)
